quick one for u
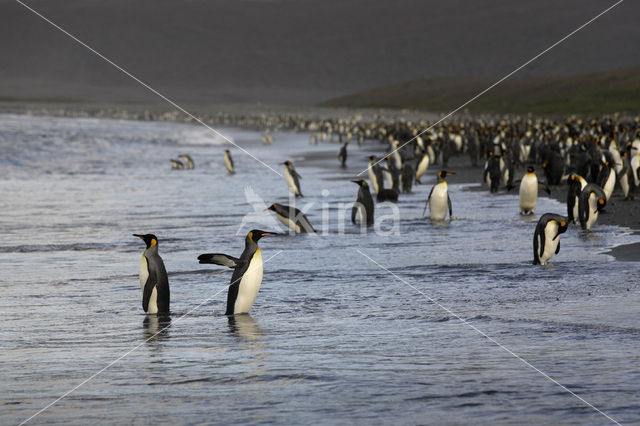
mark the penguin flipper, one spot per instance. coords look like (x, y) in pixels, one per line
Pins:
(354, 212)
(220, 259)
(148, 289)
(450, 209)
(558, 248)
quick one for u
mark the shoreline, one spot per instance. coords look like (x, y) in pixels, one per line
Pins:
(620, 213)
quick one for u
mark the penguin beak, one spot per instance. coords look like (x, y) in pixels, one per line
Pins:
(450, 173)
(269, 233)
(139, 236)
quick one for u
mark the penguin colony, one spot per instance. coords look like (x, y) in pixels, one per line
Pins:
(591, 157)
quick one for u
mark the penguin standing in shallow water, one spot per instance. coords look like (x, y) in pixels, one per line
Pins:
(342, 155)
(439, 201)
(423, 165)
(546, 239)
(247, 273)
(153, 278)
(228, 162)
(363, 206)
(492, 172)
(375, 173)
(607, 178)
(292, 177)
(292, 217)
(592, 200)
(529, 187)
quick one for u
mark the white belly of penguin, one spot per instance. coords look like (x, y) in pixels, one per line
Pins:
(144, 275)
(593, 210)
(227, 163)
(576, 209)
(528, 193)
(609, 185)
(290, 182)
(422, 167)
(550, 246)
(289, 223)
(438, 204)
(249, 285)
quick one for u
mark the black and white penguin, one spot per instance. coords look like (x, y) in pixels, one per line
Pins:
(546, 239)
(363, 207)
(375, 173)
(607, 178)
(342, 155)
(592, 200)
(176, 164)
(408, 175)
(423, 165)
(439, 201)
(188, 161)
(553, 168)
(247, 273)
(292, 177)
(228, 162)
(153, 278)
(624, 177)
(528, 194)
(576, 185)
(492, 172)
(292, 218)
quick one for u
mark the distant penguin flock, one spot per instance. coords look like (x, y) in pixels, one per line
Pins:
(592, 157)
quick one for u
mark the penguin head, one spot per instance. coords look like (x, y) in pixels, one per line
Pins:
(530, 169)
(287, 163)
(373, 157)
(227, 151)
(149, 239)
(442, 174)
(256, 234)
(272, 207)
(361, 182)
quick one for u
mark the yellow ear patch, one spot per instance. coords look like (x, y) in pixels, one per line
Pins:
(250, 236)
(153, 242)
(563, 223)
(601, 201)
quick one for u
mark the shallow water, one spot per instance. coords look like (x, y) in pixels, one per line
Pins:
(332, 338)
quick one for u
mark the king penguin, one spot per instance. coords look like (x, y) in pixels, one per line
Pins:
(492, 172)
(607, 178)
(439, 201)
(546, 239)
(423, 165)
(292, 217)
(292, 177)
(375, 173)
(228, 162)
(576, 185)
(363, 207)
(529, 191)
(592, 200)
(247, 273)
(153, 278)
(342, 155)
(188, 161)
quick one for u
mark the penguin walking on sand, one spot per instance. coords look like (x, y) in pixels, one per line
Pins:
(576, 185)
(247, 273)
(228, 162)
(363, 207)
(592, 200)
(546, 238)
(153, 278)
(292, 177)
(439, 201)
(528, 195)
(292, 218)
(342, 155)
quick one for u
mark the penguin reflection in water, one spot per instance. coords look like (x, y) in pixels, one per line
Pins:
(546, 239)
(439, 201)
(153, 278)
(247, 273)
